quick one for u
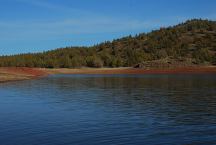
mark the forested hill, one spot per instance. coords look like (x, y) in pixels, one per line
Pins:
(192, 42)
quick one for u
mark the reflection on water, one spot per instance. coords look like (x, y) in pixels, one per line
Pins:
(109, 109)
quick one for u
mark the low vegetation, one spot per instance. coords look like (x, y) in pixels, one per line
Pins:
(192, 42)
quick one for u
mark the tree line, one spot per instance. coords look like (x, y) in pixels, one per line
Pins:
(195, 39)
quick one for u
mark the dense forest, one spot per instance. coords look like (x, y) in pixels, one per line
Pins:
(192, 42)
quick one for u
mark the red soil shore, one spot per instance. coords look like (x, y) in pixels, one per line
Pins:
(31, 72)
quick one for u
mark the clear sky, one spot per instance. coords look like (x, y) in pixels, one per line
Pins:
(39, 25)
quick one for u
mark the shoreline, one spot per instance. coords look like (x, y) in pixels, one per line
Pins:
(130, 70)
(22, 73)
(10, 74)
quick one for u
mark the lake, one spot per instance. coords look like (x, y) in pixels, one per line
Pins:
(109, 109)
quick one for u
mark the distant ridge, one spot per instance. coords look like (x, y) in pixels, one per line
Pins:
(190, 43)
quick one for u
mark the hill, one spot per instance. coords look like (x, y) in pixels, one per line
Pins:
(189, 43)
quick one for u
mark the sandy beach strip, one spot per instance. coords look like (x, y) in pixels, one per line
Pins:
(183, 70)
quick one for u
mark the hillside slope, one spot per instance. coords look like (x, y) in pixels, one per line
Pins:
(189, 43)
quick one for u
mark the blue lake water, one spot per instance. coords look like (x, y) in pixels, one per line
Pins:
(109, 109)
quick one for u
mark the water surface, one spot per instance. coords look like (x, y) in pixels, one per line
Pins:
(109, 109)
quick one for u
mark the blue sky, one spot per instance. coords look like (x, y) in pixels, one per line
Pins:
(40, 25)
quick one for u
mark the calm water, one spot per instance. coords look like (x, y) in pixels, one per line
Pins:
(113, 109)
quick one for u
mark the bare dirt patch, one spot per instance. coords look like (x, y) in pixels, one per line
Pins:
(15, 74)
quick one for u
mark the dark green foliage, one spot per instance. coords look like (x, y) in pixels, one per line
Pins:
(94, 61)
(194, 39)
